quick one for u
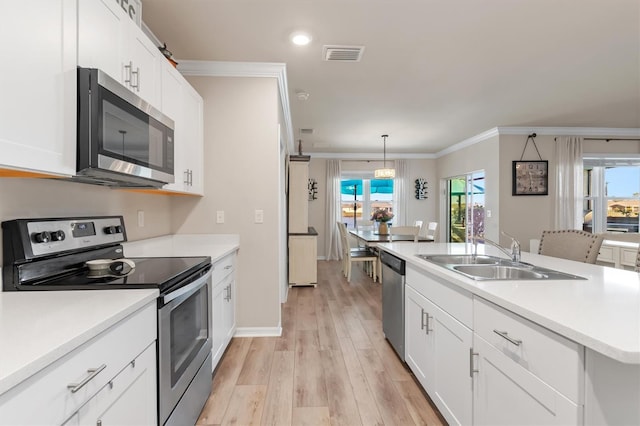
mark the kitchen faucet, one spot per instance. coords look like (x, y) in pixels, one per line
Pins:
(514, 254)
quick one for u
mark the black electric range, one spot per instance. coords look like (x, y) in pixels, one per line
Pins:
(51, 254)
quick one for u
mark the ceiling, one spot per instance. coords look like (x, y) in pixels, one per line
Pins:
(433, 72)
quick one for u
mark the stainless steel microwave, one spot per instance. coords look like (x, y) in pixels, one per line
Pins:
(122, 140)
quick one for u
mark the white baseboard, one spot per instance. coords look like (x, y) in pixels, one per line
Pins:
(258, 332)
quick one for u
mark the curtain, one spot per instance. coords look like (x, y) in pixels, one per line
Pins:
(332, 237)
(569, 190)
(400, 198)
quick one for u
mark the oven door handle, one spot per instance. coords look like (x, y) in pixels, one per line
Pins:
(188, 289)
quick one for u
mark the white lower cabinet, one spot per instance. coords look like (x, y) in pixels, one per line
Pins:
(506, 394)
(438, 349)
(128, 399)
(223, 306)
(484, 365)
(110, 377)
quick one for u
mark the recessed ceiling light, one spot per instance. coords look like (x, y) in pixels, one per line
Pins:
(300, 38)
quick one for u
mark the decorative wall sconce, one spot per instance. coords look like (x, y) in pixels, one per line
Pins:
(421, 189)
(313, 189)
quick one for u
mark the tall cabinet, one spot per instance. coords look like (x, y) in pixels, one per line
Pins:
(303, 251)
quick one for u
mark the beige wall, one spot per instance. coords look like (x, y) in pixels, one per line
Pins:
(525, 216)
(425, 210)
(39, 198)
(485, 156)
(242, 174)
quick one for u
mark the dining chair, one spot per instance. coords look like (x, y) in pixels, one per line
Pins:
(571, 244)
(432, 227)
(419, 223)
(404, 230)
(351, 255)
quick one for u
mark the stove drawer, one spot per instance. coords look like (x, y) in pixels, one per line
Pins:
(48, 397)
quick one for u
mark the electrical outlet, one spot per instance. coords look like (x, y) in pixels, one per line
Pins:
(220, 216)
(141, 218)
(488, 213)
(259, 216)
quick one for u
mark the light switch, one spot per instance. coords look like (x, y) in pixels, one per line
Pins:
(259, 216)
(220, 216)
(488, 213)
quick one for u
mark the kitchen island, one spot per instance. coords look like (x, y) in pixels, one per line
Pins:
(575, 357)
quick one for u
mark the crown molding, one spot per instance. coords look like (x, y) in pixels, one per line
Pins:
(468, 142)
(247, 69)
(369, 156)
(571, 131)
(611, 132)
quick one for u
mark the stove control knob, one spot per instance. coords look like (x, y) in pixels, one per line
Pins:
(113, 230)
(57, 235)
(42, 237)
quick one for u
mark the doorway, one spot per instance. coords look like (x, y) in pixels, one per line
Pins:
(465, 206)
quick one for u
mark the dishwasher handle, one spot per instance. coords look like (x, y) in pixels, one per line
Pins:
(395, 263)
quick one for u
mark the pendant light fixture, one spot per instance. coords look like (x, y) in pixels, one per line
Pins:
(385, 173)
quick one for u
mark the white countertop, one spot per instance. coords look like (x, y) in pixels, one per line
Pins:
(215, 245)
(601, 313)
(39, 327)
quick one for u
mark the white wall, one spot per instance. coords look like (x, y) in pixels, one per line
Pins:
(242, 174)
(39, 198)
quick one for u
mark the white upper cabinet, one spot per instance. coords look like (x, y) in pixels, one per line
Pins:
(185, 106)
(38, 103)
(109, 40)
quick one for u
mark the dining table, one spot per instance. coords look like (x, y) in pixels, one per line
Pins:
(371, 238)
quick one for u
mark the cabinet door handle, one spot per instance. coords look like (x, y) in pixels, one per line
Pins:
(471, 369)
(137, 74)
(190, 177)
(506, 336)
(75, 387)
(228, 266)
(427, 323)
(422, 319)
(128, 77)
(186, 177)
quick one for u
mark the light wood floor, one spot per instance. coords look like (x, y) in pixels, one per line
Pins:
(331, 366)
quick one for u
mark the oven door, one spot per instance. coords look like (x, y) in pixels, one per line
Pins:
(184, 340)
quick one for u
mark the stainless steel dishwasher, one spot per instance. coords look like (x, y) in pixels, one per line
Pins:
(393, 273)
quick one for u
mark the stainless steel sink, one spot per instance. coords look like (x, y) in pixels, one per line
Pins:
(498, 272)
(484, 267)
(463, 259)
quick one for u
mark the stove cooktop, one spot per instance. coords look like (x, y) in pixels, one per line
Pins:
(150, 272)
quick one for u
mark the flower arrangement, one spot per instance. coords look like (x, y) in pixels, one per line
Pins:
(381, 215)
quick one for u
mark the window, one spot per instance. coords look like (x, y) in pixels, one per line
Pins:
(364, 195)
(611, 194)
(466, 206)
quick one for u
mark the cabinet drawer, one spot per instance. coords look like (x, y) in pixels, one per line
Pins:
(129, 398)
(222, 268)
(606, 254)
(47, 390)
(628, 257)
(549, 356)
(455, 301)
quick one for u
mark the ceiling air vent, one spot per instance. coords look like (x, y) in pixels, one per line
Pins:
(342, 53)
(306, 131)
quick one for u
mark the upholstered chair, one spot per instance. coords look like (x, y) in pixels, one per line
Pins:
(571, 244)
